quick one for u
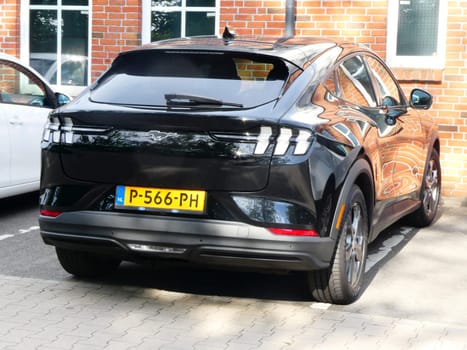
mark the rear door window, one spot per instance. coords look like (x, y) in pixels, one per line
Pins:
(354, 82)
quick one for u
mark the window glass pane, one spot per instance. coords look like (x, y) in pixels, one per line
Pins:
(16, 87)
(200, 23)
(43, 2)
(75, 2)
(74, 48)
(8, 81)
(166, 3)
(155, 74)
(43, 31)
(43, 41)
(355, 83)
(165, 25)
(417, 33)
(201, 3)
(388, 88)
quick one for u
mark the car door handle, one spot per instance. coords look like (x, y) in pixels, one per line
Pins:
(16, 121)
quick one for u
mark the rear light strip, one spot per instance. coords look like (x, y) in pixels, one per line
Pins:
(54, 130)
(281, 142)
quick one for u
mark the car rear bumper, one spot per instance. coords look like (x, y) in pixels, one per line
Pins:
(214, 242)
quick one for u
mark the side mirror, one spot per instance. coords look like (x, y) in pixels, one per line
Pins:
(62, 99)
(420, 99)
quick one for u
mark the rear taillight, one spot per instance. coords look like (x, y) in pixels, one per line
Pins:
(63, 131)
(50, 213)
(278, 140)
(52, 131)
(293, 232)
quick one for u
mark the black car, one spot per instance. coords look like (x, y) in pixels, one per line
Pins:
(284, 155)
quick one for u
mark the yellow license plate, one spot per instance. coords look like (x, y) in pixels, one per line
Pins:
(160, 199)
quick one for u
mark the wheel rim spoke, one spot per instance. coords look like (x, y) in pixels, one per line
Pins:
(354, 245)
(431, 192)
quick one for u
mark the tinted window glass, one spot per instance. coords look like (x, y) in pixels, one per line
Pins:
(389, 92)
(145, 78)
(19, 87)
(45, 52)
(355, 83)
(200, 23)
(202, 3)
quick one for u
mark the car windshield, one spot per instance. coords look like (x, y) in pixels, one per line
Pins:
(232, 80)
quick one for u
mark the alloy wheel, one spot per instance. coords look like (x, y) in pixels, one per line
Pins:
(355, 245)
(431, 188)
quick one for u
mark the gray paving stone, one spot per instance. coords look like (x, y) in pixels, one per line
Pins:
(70, 315)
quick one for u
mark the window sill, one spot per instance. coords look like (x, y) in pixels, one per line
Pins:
(410, 75)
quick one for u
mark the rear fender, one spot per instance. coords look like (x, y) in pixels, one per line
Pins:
(358, 173)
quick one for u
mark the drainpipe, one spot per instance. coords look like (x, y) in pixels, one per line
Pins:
(289, 18)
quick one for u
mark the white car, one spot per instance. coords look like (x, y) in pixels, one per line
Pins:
(25, 102)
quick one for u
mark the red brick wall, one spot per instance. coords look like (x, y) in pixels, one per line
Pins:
(9, 27)
(365, 22)
(116, 26)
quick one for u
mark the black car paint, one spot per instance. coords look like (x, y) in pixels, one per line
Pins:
(321, 178)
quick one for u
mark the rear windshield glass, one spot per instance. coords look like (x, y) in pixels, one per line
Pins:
(147, 78)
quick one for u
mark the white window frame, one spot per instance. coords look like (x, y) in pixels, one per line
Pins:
(25, 44)
(429, 62)
(148, 9)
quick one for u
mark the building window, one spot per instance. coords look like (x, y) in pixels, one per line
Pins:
(417, 33)
(165, 19)
(56, 41)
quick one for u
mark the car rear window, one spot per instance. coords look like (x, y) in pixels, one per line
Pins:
(146, 78)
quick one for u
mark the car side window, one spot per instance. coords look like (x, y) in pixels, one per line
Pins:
(354, 82)
(388, 89)
(18, 86)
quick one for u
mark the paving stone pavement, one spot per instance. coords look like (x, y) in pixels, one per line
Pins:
(43, 314)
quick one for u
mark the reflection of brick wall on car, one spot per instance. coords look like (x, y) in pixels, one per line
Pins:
(249, 70)
(349, 91)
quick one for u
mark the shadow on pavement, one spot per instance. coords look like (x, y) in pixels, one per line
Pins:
(12, 205)
(188, 278)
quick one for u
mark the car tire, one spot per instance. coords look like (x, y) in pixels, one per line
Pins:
(342, 282)
(430, 193)
(85, 264)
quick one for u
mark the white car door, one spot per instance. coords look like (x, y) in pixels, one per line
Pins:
(4, 149)
(24, 109)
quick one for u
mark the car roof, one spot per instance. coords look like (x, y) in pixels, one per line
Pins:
(295, 50)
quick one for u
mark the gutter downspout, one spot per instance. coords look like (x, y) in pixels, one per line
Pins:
(289, 18)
